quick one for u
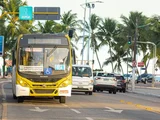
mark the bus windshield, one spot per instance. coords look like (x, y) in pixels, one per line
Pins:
(44, 61)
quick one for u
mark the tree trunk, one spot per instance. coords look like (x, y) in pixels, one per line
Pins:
(98, 60)
(111, 57)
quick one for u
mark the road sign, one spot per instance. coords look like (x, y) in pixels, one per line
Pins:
(134, 64)
(25, 13)
(140, 64)
(1, 45)
(143, 68)
(47, 13)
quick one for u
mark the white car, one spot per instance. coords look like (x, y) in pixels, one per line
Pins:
(82, 79)
(105, 82)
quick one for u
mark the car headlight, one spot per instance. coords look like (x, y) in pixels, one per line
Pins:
(91, 81)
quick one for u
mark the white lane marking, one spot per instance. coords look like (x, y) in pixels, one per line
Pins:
(65, 105)
(113, 110)
(89, 118)
(37, 109)
(76, 111)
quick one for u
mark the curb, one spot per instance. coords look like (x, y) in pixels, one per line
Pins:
(146, 94)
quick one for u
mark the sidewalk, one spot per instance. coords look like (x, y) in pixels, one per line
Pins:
(143, 90)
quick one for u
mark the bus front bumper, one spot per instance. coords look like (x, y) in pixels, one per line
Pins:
(26, 91)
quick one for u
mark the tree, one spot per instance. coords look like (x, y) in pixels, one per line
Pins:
(107, 32)
(69, 21)
(144, 34)
(91, 29)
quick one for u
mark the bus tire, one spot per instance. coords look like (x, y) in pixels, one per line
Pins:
(20, 99)
(62, 99)
(14, 96)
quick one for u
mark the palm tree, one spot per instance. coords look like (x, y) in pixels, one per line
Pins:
(11, 25)
(107, 32)
(143, 34)
(91, 29)
(69, 21)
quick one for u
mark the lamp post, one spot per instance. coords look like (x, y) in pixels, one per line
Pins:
(84, 19)
(89, 5)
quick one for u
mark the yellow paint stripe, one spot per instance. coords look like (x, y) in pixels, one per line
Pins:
(141, 106)
(4, 111)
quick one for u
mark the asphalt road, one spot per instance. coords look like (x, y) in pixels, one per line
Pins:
(99, 106)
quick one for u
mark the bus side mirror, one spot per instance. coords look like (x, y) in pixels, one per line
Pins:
(71, 32)
(73, 56)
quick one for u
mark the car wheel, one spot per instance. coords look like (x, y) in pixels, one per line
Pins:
(90, 93)
(114, 91)
(94, 90)
(101, 90)
(145, 82)
(124, 90)
(110, 91)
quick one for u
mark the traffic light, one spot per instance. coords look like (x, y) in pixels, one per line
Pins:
(129, 40)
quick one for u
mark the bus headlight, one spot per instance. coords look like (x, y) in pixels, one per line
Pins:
(22, 83)
(64, 84)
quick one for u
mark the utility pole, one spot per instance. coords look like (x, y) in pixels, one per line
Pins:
(84, 20)
(90, 7)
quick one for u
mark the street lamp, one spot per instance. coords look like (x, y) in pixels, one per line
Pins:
(84, 19)
(89, 5)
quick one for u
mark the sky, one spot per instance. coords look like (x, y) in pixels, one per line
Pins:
(108, 9)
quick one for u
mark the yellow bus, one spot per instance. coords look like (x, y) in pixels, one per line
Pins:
(42, 66)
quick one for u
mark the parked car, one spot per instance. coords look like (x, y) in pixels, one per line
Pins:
(128, 77)
(148, 78)
(105, 82)
(82, 79)
(121, 83)
(144, 78)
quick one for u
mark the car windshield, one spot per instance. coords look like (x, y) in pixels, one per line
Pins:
(108, 75)
(81, 71)
(100, 74)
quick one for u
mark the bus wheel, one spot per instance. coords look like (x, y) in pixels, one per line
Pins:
(62, 99)
(14, 96)
(20, 99)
